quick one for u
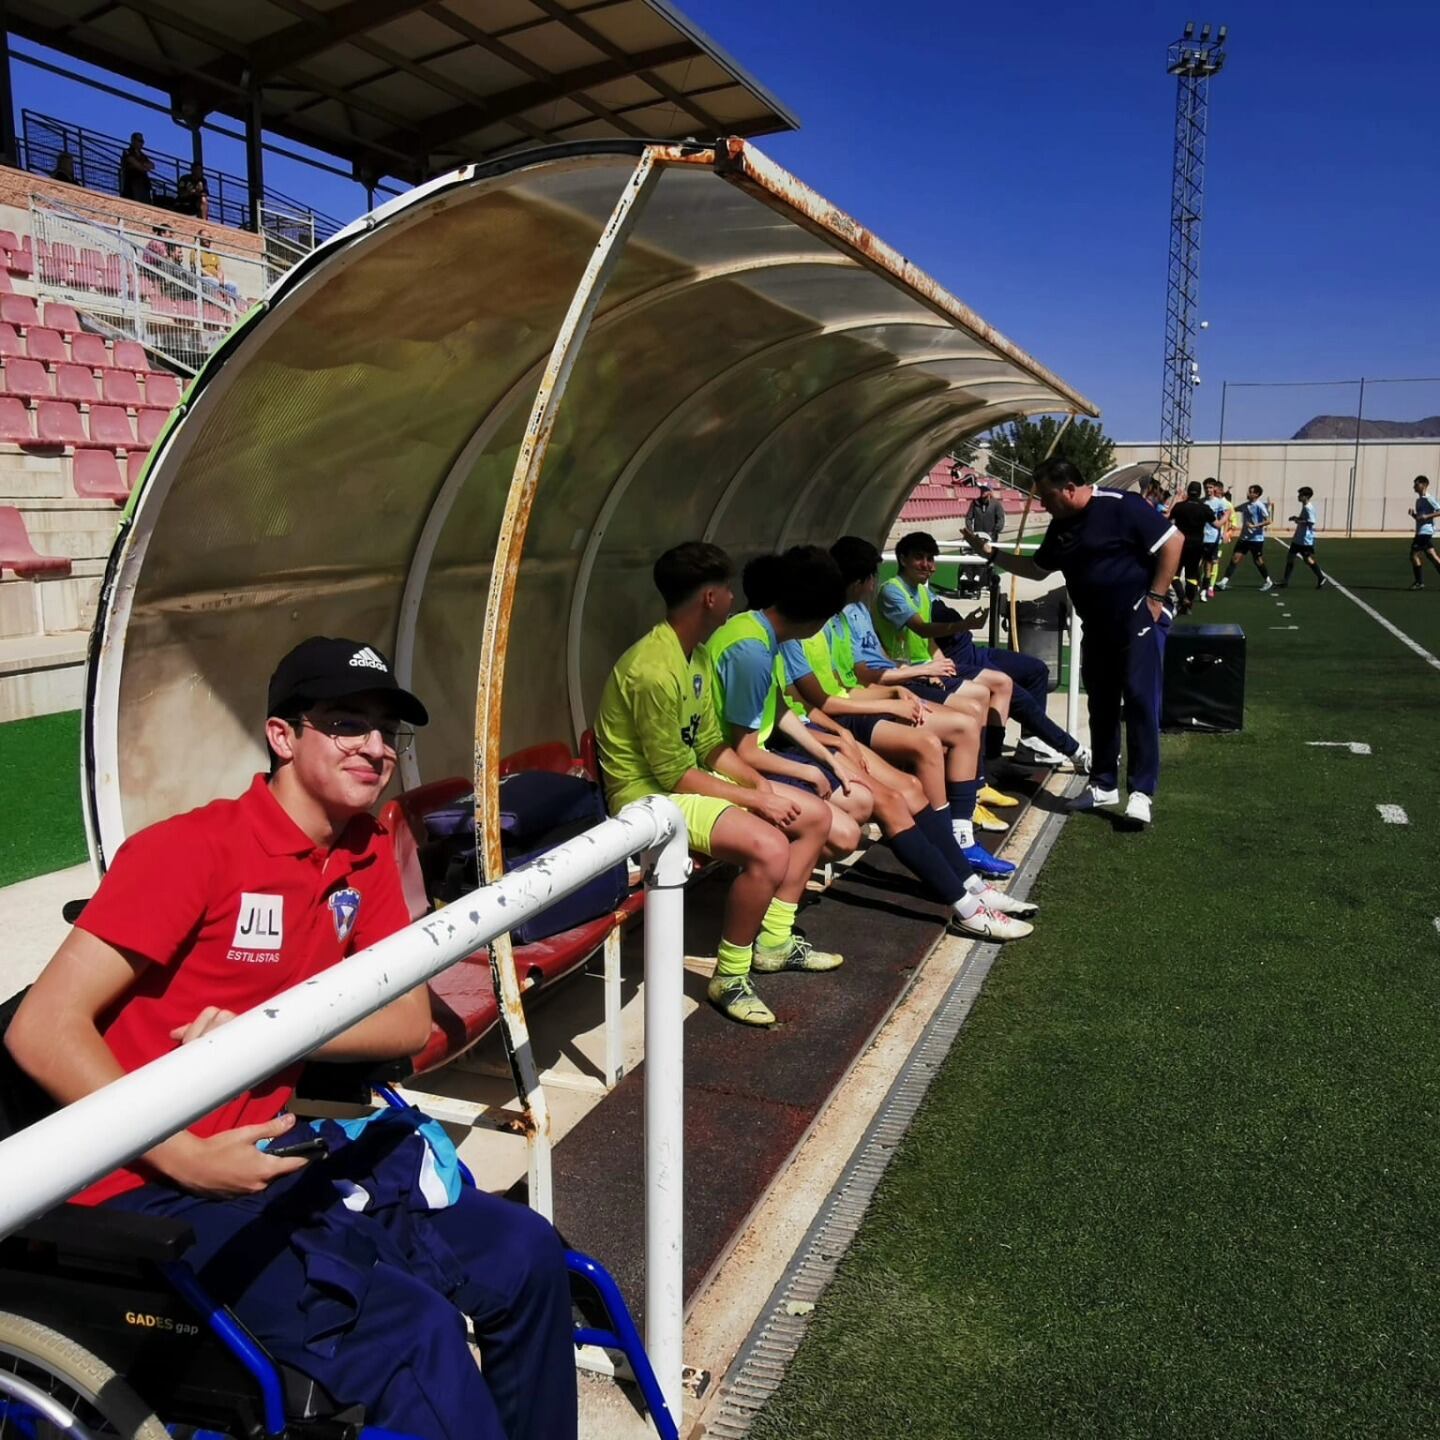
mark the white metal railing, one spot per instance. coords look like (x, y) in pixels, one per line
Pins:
(178, 296)
(51, 1160)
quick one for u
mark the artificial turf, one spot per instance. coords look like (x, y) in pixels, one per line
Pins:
(40, 796)
(1181, 1174)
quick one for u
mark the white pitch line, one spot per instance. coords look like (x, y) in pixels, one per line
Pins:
(1379, 619)
(1355, 747)
(1284, 627)
(1393, 814)
(1437, 924)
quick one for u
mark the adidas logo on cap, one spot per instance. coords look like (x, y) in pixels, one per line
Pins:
(368, 659)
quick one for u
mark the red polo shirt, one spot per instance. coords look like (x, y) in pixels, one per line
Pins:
(231, 904)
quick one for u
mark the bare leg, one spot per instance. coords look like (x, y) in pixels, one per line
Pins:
(762, 852)
(918, 750)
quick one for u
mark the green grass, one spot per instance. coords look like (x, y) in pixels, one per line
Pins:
(40, 796)
(1181, 1174)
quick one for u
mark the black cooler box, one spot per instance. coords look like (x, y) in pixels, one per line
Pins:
(1204, 678)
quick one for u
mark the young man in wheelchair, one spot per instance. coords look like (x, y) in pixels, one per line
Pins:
(357, 1268)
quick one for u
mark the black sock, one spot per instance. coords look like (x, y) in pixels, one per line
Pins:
(914, 851)
(936, 827)
(961, 795)
(994, 741)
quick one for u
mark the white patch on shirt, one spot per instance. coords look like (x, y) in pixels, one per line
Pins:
(261, 923)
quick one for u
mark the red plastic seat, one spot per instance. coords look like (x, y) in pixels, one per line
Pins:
(162, 390)
(58, 422)
(148, 425)
(46, 346)
(18, 310)
(121, 388)
(15, 427)
(6, 288)
(10, 341)
(134, 464)
(18, 554)
(98, 477)
(91, 350)
(27, 378)
(130, 355)
(62, 318)
(21, 261)
(77, 383)
(110, 425)
(9, 240)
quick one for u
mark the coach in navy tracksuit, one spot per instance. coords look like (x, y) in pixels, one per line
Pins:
(1118, 556)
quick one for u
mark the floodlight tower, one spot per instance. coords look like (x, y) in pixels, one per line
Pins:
(1192, 61)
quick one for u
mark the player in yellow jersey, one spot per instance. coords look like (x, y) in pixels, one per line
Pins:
(658, 734)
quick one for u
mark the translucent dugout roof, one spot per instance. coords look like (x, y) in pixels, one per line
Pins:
(758, 370)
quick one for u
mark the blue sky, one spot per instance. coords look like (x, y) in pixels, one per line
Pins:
(1022, 157)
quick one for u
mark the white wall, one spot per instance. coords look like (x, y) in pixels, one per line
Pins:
(1382, 491)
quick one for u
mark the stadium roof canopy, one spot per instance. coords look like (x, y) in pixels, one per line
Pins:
(467, 425)
(413, 89)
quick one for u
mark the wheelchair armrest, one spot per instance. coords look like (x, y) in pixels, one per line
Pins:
(97, 1233)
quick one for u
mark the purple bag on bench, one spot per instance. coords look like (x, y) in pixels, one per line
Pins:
(538, 811)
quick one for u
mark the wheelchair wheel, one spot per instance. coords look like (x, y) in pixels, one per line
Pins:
(72, 1381)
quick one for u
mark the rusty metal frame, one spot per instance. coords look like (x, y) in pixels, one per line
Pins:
(495, 642)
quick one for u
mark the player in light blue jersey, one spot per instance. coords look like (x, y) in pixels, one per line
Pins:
(1302, 543)
(1254, 517)
(1423, 545)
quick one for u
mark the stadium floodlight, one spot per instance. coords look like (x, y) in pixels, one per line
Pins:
(1189, 30)
(1204, 32)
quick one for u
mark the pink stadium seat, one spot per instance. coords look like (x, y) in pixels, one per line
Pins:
(27, 378)
(21, 261)
(134, 464)
(61, 317)
(6, 288)
(120, 388)
(57, 422)
(18, 554)
(9, 240)
(76, 382)
(110, 425)
(162, 390)
(98, 477)
(90, 350)
(130, 355)
(15, 426)
(18, 310)
(46, 346)
(149, 425)
(10, 342)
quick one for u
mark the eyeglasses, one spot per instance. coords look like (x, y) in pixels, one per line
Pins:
(351, 732)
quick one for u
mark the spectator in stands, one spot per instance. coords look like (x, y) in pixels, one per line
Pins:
(192, 194)
(658, 733)
(1118, 558)
(135, 169)
(986, 515)
(351, 1267)
(65, 168)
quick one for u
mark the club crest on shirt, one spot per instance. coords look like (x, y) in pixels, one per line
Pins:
(698, 685)
(344, 907)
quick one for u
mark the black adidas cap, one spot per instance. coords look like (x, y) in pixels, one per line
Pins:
(328, 668)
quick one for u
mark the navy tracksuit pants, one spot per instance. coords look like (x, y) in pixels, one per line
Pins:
(1122, 666)
(1031, 677)
(397, 1344)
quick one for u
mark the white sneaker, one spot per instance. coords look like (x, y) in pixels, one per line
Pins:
(993, 899)
(988, 924)
(1078, 763)
(1268, 585)
(1205, 595)
(1137, 808)
(1033, 751)
(1223, 585)
(1092, 797)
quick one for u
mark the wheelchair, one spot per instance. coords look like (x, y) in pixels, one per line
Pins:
(107, 1334)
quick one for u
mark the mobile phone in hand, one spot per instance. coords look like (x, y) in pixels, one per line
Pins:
(300, 1144)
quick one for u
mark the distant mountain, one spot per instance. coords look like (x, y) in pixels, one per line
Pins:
(1342, 427)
